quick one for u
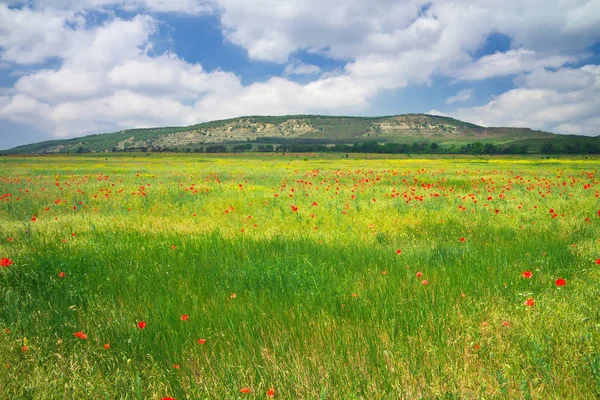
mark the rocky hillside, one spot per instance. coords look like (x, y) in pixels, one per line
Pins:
(288, 129)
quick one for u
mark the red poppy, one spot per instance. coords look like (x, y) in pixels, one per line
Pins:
(184, 317)
(232, 295)
(271, 392)
(530, 302)
(61, 275)
(476, 347)
(506, 323)
(141, 325)
(80, 335)
(176, 366)
(462, 239)
(294, 208)
(527, 274)
(201, 341)
(560, 282)
(419, 274)
(106, 346)
(5, 262)
(33, 219)
(398, 251)
(168, 398)
(24, 349)
(598, 261)
(425, 282)
(245, 390)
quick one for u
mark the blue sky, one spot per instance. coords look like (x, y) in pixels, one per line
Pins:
(70, 68)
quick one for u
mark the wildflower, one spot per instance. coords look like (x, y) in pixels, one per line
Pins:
(184, 317)
(527, 274)
(24, 349)
(530, 302)
(398, 251)
(419, 274)
(106, 346)
(271, 392)
(80, 335)
(141, 324)
(294, 208)
(201, 341)
(506, 323)
(560, 282)
(61, 274)
(245, 390)
(232, 296)
(462, 239)
(5, 262)
(425, 282)
(176, 366)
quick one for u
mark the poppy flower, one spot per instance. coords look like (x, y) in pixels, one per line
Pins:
(425, 282)
(560, 282)
(201, 341)
(530, 302)
(245, 390)
(5, 262)
(527, 274)
(24, 349)
(233, 296)
(80, 335)
(598, 261)
(106, 346)
(168, 398)
(271, 392)
(141, 324)
(61, 274)
(462, 239)
(476, 347)
(398, 251)
(506, 323)
(294, 208)
(184, 317)
(419, 274)
(176, 366)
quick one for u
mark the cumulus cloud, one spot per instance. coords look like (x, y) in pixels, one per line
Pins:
(460, 97)
(546, 102)
(106, 77)
(299, 68)
(509, 63)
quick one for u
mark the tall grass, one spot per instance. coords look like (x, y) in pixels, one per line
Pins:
(314, 302)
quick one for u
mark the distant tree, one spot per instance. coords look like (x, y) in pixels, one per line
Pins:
(548, 148)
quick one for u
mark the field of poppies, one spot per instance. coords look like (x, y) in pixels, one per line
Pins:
(270, 275)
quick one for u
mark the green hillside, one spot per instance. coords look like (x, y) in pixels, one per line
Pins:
(301, 129)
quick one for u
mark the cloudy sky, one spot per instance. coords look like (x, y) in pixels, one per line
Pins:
(74, 67)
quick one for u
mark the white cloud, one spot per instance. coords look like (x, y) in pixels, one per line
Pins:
(299, 68)
(509, 63)
(544, 102)
(461, 96)
(107, 77)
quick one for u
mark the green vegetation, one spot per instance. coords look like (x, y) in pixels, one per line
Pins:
(317, 276)
(320, 133)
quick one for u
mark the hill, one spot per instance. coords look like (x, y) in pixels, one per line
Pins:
(295, 129)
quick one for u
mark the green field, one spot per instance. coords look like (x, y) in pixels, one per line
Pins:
(314, 276)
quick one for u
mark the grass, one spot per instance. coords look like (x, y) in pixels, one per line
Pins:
(314, 303)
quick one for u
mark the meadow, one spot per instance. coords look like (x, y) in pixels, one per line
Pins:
(299, 277)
